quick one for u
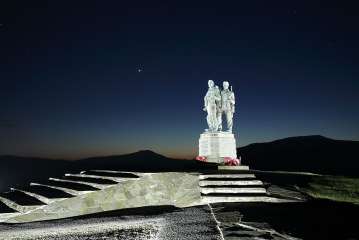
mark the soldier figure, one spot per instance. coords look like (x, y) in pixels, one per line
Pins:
(211, 103)
(227, 106)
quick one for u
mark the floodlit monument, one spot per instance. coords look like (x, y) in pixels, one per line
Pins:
(216, 145)
(99, 190)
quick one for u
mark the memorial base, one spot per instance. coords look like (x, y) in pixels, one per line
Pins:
(216, 147)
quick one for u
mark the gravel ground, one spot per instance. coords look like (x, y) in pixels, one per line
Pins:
(142, 223)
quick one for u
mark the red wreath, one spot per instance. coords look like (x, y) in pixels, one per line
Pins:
(201, 158)
(228, 161)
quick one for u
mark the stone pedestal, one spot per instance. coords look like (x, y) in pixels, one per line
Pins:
(215, 146)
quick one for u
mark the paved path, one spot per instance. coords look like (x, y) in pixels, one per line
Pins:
(145, 223)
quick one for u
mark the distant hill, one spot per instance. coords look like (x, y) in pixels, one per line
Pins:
(144, 160)
(316, 154)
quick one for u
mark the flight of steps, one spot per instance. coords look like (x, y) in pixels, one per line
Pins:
(21, 200)
(232, 184)
(227, 184)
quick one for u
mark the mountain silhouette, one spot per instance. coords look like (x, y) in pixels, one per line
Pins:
(144, 160)
(315, 154)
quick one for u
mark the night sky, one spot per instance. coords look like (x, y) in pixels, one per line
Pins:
(70, 85)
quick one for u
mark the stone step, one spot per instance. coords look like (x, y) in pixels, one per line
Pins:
(71, 185)
(221, 199)
(84, 175)
(233, 186)
(233, 168)
(66, 190)
(21, 198)
(234, 194)
(206, 190)
(232, 172)
(228, 179)
(34, 195)
(229, 183)
(89, 179)
(38, 196)
(109, 173)
(17, 207)
(48, 192)
(206, 176)
(95, 185)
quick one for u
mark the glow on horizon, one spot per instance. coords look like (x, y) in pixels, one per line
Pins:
(182, 153)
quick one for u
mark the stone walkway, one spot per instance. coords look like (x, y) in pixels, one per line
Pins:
(144, 223)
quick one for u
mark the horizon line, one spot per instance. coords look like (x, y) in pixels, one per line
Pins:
(171, 156)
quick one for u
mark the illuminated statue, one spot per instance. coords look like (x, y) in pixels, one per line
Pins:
(227, 106)
(212, 102)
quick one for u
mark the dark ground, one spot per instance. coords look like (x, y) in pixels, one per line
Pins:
(316, 219)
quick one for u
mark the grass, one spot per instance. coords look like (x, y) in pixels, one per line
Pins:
(337, 188)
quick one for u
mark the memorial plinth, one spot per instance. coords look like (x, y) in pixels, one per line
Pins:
(216, 146)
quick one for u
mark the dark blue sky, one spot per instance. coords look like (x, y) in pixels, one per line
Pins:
(70, 86)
